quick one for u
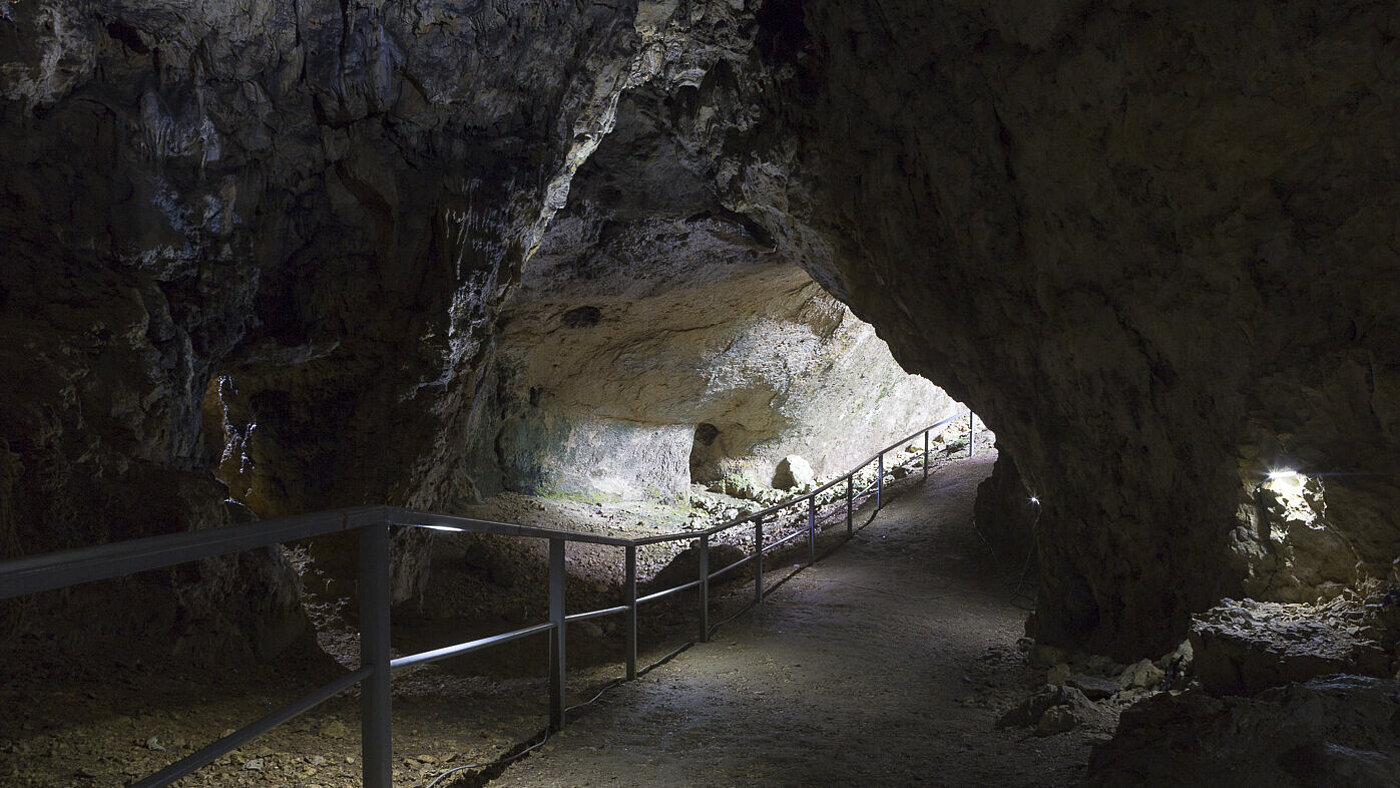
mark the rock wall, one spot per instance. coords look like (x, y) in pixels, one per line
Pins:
(1153, 244)
(658, 339)
(1156, 242)
(270, 241)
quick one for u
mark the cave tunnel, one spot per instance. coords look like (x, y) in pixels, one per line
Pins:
(623, 263)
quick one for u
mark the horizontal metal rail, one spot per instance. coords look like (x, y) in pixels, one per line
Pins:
(447, 522)
(215, 750)
(667, 592)
(57, 570)
(784, 540)
(732, 566)
(607, 611)
(468, 647)
(51, 571)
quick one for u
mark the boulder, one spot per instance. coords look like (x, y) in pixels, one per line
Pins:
(1052, 709)
(1334, 731)
(793, 473)
(1246, 646)
(1093, 687)
(1142, 674)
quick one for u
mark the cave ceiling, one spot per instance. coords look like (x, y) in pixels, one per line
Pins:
(1153, 244)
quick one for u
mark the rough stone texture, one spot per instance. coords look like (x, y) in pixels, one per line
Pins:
(271, 240)
(1294, 548)
(608, 458)
(794, 472)
(1053, 709)
(654, 316)
(1243, 647)
(1341, 731)
(1142, 675)
(1155, 243)
(1006, 516)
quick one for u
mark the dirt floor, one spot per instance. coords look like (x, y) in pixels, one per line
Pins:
(888, 662)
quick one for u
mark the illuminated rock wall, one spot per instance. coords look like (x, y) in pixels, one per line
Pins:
(1153, 244)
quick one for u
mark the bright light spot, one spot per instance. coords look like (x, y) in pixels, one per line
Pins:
(1035, 500)
(451, 528)
(1292, 492)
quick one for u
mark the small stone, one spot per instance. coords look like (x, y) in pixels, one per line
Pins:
(88, 772)
(255, 765)
(1093, 687)
(427, 759)
(153, 743)
(1056, 719)
(1057, 674)
(1142, 675)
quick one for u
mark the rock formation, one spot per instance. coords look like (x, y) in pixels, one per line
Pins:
(1337, 731)
(1152, 244)
(658, 339)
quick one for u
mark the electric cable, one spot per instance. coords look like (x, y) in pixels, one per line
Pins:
(1026, 565)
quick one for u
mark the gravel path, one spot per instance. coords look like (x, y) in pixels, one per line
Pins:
(885, 664)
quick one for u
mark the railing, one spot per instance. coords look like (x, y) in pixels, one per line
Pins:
(53, 571)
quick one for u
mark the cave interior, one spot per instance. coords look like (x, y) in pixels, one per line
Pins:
(263, 259)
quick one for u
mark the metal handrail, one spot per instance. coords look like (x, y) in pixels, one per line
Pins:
(51, 571)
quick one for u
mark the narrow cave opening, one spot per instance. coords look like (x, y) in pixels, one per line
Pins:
(704, 454)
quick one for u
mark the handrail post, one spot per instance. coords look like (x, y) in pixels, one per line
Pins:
(880, 484)
(925, 454)
(376, 694)
(704, 588)
(629, 598)
(850, 494)
(557, 663)
(971, 434)
(811, 530)
(758, 560)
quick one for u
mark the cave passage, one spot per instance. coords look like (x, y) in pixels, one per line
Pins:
(881, 664)
(509, 259)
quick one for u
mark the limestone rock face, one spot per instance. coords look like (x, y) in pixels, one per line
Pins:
(1005, 514)
(1243, 647)
(1154, 243)
(659, 339)
(269, 241)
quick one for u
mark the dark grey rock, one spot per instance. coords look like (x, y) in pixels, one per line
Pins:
(1341, 731)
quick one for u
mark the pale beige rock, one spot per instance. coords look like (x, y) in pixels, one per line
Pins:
(793, 472)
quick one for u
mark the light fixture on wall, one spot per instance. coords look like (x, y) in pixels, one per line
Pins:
(1288, 486)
